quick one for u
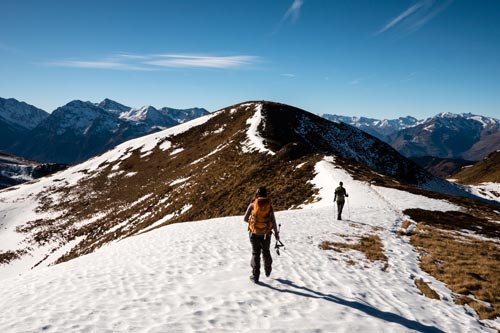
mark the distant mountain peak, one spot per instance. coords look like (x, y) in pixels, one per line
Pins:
(21, 114)
(113, 106)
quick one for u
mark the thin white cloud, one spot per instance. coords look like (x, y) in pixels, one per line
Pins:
(200, 61)
(400, 17)
(288, 75)
(136, 62)
(410, 77)
(416, 16)
(99, 65)
(355, 81)
(294, 11)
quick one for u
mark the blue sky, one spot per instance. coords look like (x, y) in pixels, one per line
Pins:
(380, 59)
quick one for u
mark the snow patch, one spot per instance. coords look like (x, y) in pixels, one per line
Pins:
(254, 140)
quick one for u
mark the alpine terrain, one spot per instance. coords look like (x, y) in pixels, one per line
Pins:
(452, 136)
(80, 130)
(380, 128)
(100, 247)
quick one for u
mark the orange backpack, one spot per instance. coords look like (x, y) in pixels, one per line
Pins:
(260, 221)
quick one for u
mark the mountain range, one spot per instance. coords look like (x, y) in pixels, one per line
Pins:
(80, 130)
(446, 135)
(82, 219)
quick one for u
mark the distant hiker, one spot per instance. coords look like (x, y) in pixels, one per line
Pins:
(340, 195)
(261, 224)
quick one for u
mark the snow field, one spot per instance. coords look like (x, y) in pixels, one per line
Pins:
(195, 277)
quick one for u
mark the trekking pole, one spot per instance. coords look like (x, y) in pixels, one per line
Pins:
(278, 242)
(334, 208)
(348, 209)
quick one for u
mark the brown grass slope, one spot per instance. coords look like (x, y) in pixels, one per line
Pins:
(124, 197)
(487, 170)
(469, 265)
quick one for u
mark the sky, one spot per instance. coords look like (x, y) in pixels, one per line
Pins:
(380, 59)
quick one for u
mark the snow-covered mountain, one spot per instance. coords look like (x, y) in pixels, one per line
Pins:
(16, 170)
(112, 106)
(80, 130)
(208, 168)
(448, 135)
(16, 119)
(183, 115)
(148, 116)
(380, 128)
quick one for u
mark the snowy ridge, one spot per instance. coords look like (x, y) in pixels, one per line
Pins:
(19, 205)
(185, 277)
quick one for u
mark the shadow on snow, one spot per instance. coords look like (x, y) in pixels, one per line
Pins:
(369, 310)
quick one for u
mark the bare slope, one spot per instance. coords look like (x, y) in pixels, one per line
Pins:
(487, 170)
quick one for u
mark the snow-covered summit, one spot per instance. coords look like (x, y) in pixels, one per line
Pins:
(112, 106)
(78, 116)
(21, 114)
(380, 128)
(148, 115)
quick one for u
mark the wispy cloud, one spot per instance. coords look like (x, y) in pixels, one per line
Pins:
(361, 79)
(410, 77)
(294, 11)
(202, 61)
(137, 62)
(288, 75)
(112, 65)
(355, 81)
(416, 16)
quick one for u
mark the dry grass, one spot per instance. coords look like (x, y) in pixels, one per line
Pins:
(486, 170)
(456, 221)
(426, 290)
(370, 245)
(8, 256)
(467, 265)
(405, 224)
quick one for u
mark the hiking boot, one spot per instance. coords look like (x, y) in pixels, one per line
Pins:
(255, 279)
(268, 272)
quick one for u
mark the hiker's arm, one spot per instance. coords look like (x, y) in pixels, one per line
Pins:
(248, 213)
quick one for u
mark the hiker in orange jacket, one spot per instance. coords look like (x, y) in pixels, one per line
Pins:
(261, 224)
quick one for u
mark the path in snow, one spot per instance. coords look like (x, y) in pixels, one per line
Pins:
(194, 276)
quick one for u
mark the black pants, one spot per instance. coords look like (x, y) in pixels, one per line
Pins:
(340, 206)
(260, 244)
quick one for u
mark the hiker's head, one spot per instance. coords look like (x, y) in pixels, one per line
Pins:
(261, 192)
(341, 183)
